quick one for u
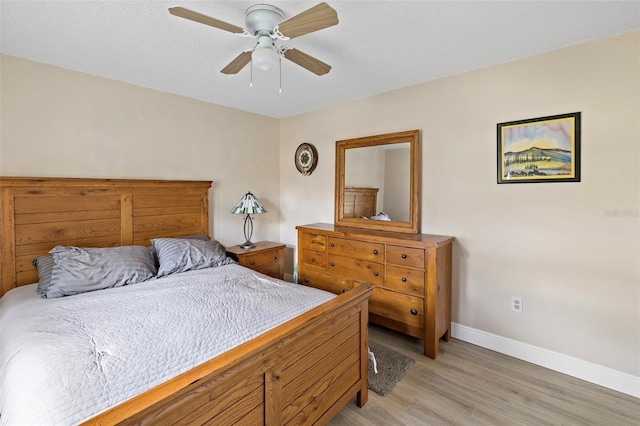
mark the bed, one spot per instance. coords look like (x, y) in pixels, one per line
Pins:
(302, 371)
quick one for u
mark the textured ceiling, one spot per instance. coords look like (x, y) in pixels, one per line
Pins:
(377, 46)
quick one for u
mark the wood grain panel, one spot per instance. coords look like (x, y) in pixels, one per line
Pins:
(38, 249)
(66, 203)
(67, 216)
(165, 200)
(143, 238)
(27, 277)
(166, 210)
(300, 368)
(320, 397)
(165, 222)
(347, 352)
(197, 403)
(45, 232)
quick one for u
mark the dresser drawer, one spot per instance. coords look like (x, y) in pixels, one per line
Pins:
(324, 281)
(405, 256)
(315, 242)
(356, 269)
(398, 307)
(356, 249)
(262, 260)
(403, 279)
(315, 259)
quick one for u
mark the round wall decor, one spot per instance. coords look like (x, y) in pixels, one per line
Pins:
(306, 158)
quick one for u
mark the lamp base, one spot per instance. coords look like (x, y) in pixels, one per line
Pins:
(247, 245)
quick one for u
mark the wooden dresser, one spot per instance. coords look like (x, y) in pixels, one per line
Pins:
(411, 274)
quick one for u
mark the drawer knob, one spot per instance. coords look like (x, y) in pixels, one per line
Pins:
(332, 245)
(252, 263)
(313, 241)
(404, 280)
(344, 290)
(375, 274)
(306, 280)
(275, 257)
(333, 264)
(404, 256)
(414, 311)
(375, 252)
(313, 259)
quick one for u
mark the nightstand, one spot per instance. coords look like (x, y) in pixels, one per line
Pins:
(266, 257)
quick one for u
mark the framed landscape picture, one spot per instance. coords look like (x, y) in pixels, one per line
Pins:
(545, 149)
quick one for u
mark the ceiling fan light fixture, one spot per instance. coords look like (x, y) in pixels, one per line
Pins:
(264, 56)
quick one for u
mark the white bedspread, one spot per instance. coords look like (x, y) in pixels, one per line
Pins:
(65, 360)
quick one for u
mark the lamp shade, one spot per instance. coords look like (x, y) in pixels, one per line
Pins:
(265, 56)
(248, 205)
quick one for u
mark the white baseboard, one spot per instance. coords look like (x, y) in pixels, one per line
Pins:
(593, 373)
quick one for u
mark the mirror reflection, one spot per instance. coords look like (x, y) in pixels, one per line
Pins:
(377, 182)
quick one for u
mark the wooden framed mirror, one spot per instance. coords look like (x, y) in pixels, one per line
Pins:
(377, 182)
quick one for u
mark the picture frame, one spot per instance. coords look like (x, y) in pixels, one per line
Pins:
(543, 149)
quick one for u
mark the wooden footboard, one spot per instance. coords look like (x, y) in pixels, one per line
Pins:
(302, 372)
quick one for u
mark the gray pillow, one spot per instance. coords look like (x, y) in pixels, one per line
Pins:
(44, 265)
(78, 270)
(180, 255)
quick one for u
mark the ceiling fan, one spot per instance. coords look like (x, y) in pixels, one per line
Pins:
(266, 23)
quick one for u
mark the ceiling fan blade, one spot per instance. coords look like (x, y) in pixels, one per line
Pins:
(204, 19)
(307, 62)
(314, 19)
(237, 64)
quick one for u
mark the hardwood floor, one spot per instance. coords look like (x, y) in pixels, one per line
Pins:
(470, 385)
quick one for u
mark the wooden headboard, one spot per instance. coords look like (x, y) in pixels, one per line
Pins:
(360, 202)
(39, 213)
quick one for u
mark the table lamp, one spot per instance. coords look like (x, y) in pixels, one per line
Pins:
(248, 205)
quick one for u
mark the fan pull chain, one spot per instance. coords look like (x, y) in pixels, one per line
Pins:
(251, 74)
(280, 66)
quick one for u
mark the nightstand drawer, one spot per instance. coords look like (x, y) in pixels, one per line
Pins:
(261, 260)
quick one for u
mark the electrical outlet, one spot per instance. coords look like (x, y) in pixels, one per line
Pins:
(516, 304)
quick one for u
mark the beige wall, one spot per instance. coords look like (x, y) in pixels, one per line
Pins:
(57, 122)
(557, 245)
